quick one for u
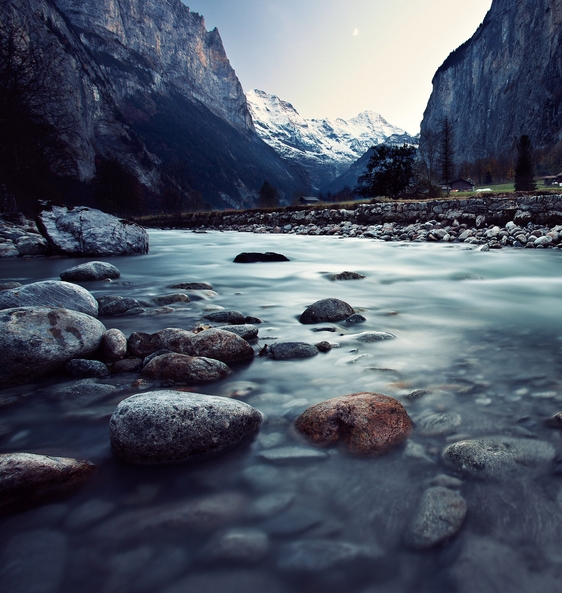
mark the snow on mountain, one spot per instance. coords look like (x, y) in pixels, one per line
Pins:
(324, 148)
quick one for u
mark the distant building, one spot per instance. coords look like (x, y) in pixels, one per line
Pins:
(462, 185)
(553, 179)
(308, 200)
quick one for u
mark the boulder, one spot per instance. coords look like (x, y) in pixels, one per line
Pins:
(369, 337)
(32, 245)
(50, 293)
(364, 423)
(221, 345)
(288, 350)
(181, 368)
(440, 515)
(26, 478)
(192, 286)
(240, 545)
(37, 340)
(118, 305)
(171, 426)
(173, 339)
(170, 299)
(326, 310)
(347, 276)
(114, 345)
(93, 270)
(251, 258)
(232, 317)
(246, 331)
(80, 367)
(498, 457)
(86, 231)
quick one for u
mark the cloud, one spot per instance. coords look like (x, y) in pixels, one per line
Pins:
(355, 32)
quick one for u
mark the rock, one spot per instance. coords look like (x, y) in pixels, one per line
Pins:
(27, 479)
(270, 505)
(169, 299)
(82, 393)
(439, 516)
(364, 423)
(368, 337)
(34, 562)
(250, 258)
(86, 231)
(141, 345)
(293, 521)
(117, 305)
(287, 350)
(8, 250)
(200, 515)
(221, 345)
(93, 270)
(231, 581)
(37, 340)
(192, 286)
(182, 368)
(173, 339)
(232, 317)
(282, 455)
(417, 394)
(127, 365)
(81, 367)
(246, 331)
(319, 556)
(32, 245)
(239, 545)
(326, 310)
(172, 426)
(356, 318)
(50, 293)
(113, 345)
(324, 346)
(347, 276)
(498, 457)
(434, 424)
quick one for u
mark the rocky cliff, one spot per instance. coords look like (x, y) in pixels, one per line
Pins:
(324, 148)
(503, 82)
(146, 85)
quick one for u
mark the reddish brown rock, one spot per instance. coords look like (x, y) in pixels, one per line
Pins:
(365, 423)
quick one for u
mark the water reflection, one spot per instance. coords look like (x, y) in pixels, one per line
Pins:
(478, 334)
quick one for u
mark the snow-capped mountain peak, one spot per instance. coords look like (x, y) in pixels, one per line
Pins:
(324, 147)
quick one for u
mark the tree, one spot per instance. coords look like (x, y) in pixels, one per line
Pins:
(446, 154)
(269, 196)
(389, 172)
(524, 173)
(429, 148)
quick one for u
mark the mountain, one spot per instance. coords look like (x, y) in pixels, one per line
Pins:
(324, 148)
(146, 91)
(503, 82)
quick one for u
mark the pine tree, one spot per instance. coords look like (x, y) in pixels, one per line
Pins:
(524, 173)
(269, 196)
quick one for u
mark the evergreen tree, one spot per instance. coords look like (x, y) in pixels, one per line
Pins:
(389, 172)
(446, 154)
(524, 173)
(269, 196)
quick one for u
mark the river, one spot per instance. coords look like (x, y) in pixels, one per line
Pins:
(479, 332)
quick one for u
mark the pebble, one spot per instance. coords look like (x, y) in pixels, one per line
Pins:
(282, 455)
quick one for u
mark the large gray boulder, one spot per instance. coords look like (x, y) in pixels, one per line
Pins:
(185, 369)
(172, 426)
(221, 345)
(37, 340)
(50, 293)
(86, 231)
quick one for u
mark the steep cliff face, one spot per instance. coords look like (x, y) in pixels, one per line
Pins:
(145, 84)
(503, 82)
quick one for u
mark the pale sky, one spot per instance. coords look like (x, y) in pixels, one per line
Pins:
(330, 58)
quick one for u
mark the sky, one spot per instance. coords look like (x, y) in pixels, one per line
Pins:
(330, 58)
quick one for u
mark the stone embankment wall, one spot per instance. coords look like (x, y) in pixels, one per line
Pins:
(473, 212)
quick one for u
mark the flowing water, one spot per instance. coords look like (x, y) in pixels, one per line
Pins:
(480, 333)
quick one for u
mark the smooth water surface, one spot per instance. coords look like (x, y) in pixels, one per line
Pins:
(480, 332)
